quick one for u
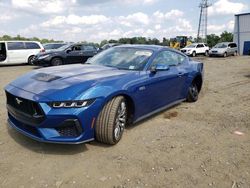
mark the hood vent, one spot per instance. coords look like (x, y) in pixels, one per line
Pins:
(45, 77)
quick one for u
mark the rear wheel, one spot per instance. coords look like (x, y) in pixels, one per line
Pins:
(30, 60)
(235, 53)
(56, 62)
(193, 92)
(111, 121)
(194, 54)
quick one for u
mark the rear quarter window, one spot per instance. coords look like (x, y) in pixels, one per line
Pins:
(16, 46)
(89, 48)
(32, 45)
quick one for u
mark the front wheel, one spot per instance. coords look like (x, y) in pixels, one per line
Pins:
(56, 62)
(194, 54)
(193, 93)
(111, 121)
(225, 54)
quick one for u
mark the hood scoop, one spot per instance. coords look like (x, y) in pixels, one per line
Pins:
(45, 77)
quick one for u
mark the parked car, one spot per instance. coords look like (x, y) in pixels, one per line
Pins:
(109, 45)
(67, 54)
(224, 49)
(96, 100)
(18, 52)
(52, 46)
(196, 48)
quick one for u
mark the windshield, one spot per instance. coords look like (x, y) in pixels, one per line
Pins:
(122, 58)
(52, 46)
(64, 47)
(191, 46)
(220, 45)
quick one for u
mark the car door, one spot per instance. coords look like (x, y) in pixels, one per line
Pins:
(16, 52)
(200, 49)
(74, 54)
(231, 49)
(32, 48)
(163, 87)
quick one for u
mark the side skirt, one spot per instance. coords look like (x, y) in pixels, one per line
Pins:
(159, 110)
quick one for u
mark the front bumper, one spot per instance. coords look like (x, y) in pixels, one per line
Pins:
(211, 53)
(186, 52)
(41, 62)
(65, 126)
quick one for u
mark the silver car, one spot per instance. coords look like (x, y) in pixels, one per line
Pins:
(224, 49)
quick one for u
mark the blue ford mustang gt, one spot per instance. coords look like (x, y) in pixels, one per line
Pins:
(119, 86)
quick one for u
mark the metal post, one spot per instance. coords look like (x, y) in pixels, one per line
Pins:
(238, 33)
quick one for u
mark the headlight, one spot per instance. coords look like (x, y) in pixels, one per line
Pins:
(72, 104)
(44, 56)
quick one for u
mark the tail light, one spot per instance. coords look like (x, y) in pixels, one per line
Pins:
(42, 50)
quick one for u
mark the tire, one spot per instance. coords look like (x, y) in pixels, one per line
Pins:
(235, 53)
(193, 92)
(56, 61)
(111, 121)
(225, 54)
(206, 53)
(193, 53)
(30, 59)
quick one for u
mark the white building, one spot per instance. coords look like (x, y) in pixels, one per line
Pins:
(242, 33)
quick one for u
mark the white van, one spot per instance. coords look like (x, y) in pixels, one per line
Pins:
(18, 52)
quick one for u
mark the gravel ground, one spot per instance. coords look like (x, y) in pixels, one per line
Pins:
(189, 145)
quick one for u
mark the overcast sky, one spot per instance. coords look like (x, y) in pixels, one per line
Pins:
(95, 20)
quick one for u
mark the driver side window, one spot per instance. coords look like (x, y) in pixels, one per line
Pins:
(76, 48)
(168, 58)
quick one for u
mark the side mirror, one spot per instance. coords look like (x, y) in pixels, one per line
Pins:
(159, 67)
(68, 51)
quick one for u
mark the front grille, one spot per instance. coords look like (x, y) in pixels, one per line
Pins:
(24, 110)
(24, 105)
(214, 51)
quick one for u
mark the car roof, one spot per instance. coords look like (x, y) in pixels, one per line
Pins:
(19, 41)
(54, 43)
(198, 43)
(143, 47)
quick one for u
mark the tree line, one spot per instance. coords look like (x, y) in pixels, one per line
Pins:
(18, 37)
(212, 39)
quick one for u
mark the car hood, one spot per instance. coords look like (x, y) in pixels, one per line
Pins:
(69, 81)
(186, 48)
(48, 52)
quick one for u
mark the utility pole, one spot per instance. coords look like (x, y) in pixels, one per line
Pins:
(202, 28)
